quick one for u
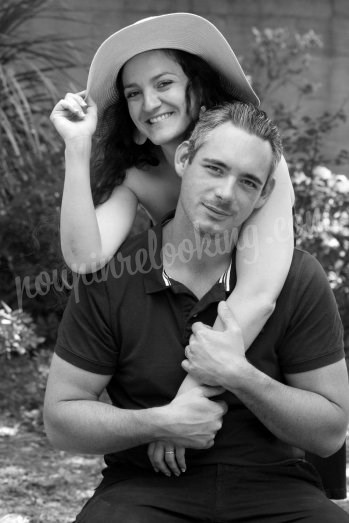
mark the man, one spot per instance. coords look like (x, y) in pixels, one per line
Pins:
(127, 333)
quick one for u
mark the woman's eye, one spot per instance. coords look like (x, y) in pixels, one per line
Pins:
(131, 94)
(164, 83)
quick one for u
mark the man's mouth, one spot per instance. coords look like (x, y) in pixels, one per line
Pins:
(159, 118)
(217, 210)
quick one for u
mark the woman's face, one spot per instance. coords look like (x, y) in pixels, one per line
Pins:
(155, 90)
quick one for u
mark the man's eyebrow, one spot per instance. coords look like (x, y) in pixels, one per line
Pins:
(254, 178)
(220, 163)
(153, 79)
(217, 162)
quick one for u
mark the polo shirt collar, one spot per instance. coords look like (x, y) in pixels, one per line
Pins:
(224, 279)
(156, 279)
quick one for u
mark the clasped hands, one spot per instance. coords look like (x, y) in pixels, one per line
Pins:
(214, 359)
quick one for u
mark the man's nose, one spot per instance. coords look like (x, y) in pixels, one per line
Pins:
(226, 189)
(150, 100)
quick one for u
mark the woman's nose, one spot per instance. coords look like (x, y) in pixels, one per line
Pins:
(151, 100)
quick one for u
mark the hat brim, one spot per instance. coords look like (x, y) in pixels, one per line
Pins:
(183, 31)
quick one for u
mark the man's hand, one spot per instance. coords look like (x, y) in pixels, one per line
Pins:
(213, 355)
(192, 419)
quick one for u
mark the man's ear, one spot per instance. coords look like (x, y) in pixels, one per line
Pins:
(266, 192)
(181, 158)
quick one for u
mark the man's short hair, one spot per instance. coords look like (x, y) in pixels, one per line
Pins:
(244, 116)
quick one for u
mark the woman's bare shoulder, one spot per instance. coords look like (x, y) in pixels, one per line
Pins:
(142, 180)
(155, 188)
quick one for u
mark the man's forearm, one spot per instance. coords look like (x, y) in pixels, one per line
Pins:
(93, 427)
(89, 426)
(298, 417)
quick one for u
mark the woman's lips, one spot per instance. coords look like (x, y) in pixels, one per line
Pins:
(159, 118)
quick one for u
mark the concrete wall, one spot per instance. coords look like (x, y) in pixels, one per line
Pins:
(235, 18)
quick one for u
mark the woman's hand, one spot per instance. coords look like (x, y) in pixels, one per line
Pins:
(167, 458)
(74, 117)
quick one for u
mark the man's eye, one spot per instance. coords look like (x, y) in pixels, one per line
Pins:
(250, 184)
(214, 169)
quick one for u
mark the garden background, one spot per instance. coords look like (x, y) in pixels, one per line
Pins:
(297, 56)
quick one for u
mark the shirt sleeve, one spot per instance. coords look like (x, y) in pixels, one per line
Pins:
(314, 337)
(85, 337)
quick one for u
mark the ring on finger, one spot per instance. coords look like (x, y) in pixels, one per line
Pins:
(169, 451)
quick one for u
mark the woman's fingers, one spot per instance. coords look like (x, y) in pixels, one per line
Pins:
(74, 117)
(151, 450)
(180, 458)
(160, 463)
(82, 94)
(167, 459)
(72, 105)
(65, 108)
(75, 104)
(171, 460)
(156, 455)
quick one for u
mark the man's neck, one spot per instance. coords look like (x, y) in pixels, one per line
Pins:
(197, 261)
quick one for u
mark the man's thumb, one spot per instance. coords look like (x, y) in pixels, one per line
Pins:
(226, 315)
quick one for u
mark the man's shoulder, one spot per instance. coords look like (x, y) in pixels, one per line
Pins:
(124, 272)
(137, 256)
(305, 265)
(306, 279)
(133, 243)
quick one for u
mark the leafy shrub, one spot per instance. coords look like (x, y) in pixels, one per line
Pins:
(29, 64)
(31, 156)
(322, 228)
(280, 61)
(18, 334)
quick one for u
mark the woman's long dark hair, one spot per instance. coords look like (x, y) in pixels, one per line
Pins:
(115, 150)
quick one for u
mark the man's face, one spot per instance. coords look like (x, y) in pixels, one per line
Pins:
(225, 181)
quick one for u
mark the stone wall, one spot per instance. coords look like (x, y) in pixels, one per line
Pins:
(235, 18)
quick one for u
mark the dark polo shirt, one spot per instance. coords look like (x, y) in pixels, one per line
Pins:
(131, 323)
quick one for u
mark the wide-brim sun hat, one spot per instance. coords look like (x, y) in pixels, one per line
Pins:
(183, 31)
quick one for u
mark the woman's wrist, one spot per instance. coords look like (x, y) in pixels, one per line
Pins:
(78, 146)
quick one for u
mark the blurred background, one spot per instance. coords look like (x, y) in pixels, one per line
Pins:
(296, 55)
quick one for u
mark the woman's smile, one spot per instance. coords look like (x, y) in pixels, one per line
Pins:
(160, 117)
(155, 87)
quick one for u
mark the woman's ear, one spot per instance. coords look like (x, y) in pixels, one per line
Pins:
(181, 158)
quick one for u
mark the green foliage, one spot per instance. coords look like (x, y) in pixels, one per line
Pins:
(28, 70)
(31, 154)
(18, 334)
(322, 228)
(280, 62)
(30, 252)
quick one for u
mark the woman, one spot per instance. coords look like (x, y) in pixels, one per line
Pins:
(147, 85)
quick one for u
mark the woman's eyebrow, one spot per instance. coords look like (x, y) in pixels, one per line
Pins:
(152, 79)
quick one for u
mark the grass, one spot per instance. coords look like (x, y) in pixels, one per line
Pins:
(39, 483)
